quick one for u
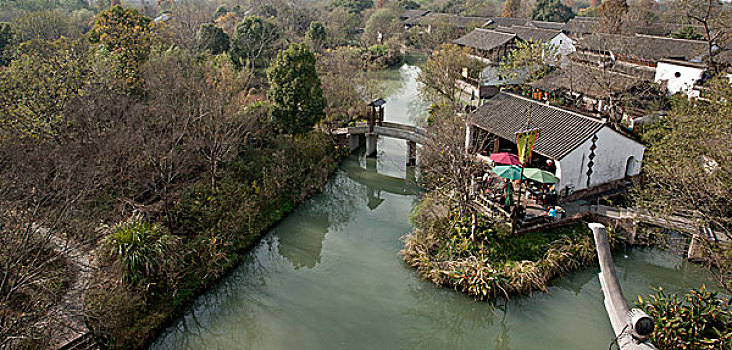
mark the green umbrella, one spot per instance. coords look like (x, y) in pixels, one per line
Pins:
(539, 175)
(510, 172)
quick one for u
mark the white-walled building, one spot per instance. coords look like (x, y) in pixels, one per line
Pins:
(679, 76)
(563, 44)
(586, 152)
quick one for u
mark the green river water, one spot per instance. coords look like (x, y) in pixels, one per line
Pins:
(329, 276)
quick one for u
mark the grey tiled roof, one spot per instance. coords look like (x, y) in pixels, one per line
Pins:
(560, 131)
(413, 13)
(485, 39)
(651, 48)
(509, 21)
(582, 25)
(548, 25)
(529, 33)
(590, 81)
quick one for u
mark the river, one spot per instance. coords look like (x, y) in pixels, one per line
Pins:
(329, 276)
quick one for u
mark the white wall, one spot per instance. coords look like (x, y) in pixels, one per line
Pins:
(687, 76)
(611, 156)
(564, 45)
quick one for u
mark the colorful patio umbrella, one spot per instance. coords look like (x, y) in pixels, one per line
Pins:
(505, 158)
(539, 175)
(510, 172)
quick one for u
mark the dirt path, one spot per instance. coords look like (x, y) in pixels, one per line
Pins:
(66, 317)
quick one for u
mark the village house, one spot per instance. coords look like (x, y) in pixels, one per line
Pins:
(679, 76)
(579, 26)
(585, 152)
(638, 54)
(495, 22)
(600, 92)
(554, 37)
(489, 46)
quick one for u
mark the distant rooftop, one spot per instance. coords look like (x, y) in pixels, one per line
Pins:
(651, 48)
(590, 81)
(531, 33)
(485, 39)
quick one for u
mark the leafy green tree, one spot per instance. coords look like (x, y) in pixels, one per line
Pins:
(253, 38)
(220, 11)
(6, 39)
(353, 6)
(511, 8)
(213, 39)
(317, 35)
(38, 84)
(687, 33)
(408, 4)
(295, 90)
(551, 11)
(126, 35)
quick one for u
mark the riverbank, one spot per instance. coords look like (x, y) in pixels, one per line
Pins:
(215, 226)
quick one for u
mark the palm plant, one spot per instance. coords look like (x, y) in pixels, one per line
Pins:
(141, 249)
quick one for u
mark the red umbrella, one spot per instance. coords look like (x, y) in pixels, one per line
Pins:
(505, 158)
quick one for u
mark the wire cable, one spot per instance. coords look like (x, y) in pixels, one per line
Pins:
(615, 341)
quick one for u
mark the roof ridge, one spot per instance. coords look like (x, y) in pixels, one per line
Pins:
(603, 70)
(668, 38)
(493, 31)
(552, 107)
(537, 28)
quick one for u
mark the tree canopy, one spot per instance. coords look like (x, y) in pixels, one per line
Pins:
(213, 39)
(253, 37)
(353, 6)
(295, 90)
(551, 11)
(6, 39)
(317, 35)
(126, 35)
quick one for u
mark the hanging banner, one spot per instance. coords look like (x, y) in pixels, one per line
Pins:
(525, 141)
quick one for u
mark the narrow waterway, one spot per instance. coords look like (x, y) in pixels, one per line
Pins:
(329, 276)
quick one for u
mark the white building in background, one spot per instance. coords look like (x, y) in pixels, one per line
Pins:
(679, 76)
(555, 38)
(586, 152)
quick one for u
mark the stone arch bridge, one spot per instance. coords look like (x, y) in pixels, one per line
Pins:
(371, 131)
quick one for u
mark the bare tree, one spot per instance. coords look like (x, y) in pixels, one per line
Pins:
(446, 166)
(716, 20)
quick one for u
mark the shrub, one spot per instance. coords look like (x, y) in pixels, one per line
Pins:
(141, 250)
(700, 321)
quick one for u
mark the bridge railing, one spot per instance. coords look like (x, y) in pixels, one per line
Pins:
(362, 128)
